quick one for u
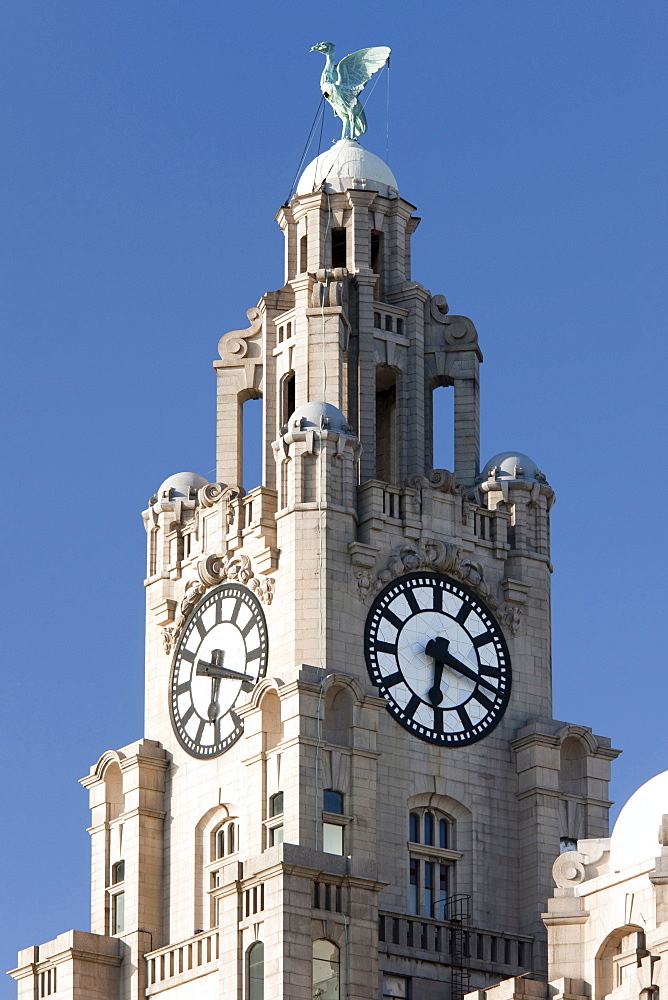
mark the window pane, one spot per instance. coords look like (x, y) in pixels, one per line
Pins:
(118, 872)
(429, 828)
(443, 833)
(414, 885)
(428, 888)
(395, 986)
(276, 835)
(414, 828)
(256, 971)
(276, 804)
(230, 834)
(332, 801)
(443, 891)
(118, 916)
(326, 984)
(332, 838)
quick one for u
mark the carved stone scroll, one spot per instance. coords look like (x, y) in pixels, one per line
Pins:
(442, 557)
(233, 346)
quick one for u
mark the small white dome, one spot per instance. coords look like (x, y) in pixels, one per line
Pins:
(318, 416)
(348, 165)
(635, 836)
(180, 484)
(513, 465)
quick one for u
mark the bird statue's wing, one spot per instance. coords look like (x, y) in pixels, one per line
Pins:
(356, 70)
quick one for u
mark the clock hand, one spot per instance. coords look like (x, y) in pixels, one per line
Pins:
(438, 648)
(217, 670)
(214, 708)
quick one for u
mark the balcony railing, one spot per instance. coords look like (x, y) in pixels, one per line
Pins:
(481, 948)
(186, 960)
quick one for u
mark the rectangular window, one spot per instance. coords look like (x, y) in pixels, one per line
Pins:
(118, 913)
(303, 254)
(338, 248)
(443, 892)
(332, 838)
(276, 835)
(395, 986)
(415, 886)
(332, 802)
(429, 898)
(276, 804)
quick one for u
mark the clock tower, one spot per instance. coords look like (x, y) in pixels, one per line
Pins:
(350, 783)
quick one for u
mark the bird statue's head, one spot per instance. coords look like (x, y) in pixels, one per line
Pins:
(325, 47)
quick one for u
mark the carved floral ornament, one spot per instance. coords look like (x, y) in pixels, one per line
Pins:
(213, 570)
(441, 557)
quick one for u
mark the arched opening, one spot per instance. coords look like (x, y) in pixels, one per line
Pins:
(271, 720)
(386, 424)
(326, 970)
(338, 247)
(338, 716)
(251, 431)
(303, 255)
(442, 424)
(608, 968)
(113, 783)
(573, 766)
(288, 390)
(255, 971)
(377, 261)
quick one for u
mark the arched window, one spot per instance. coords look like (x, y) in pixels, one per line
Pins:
(386, 420)
(224, 840)
(255, 971)
(573, 766)
(432, 871)
(251, 435)
(332, 829)
(326, 970)
(338, 722)
(443, 424)
(288, 388)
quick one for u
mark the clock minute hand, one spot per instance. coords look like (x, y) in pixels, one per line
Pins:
(438, 648)
(217, 670)
(455, 664)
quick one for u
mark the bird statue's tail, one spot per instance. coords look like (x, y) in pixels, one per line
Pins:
(360, 125)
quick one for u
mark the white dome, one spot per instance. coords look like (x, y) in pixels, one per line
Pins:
(180, 484)
(512, 465)
(318, 416)
(348, 165)
(635, 837)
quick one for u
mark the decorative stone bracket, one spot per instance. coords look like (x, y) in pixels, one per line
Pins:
(212, 570)
(442, 557)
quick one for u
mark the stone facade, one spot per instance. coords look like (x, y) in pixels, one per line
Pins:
(607, 920)
(193, 861)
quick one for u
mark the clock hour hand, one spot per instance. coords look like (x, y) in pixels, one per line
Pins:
(216, 670)
(439, 648)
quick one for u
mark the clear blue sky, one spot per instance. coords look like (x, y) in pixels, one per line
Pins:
(147, 147)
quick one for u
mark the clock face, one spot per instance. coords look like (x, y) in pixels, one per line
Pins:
(221, 656)
(439, 658)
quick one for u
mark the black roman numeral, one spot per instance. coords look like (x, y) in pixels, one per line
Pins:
(237, 609)
(438, 720)
(482, 640)
(489, 671)
(412, 601)
(254, 654)
(199, 625)
(190, 711)
(247, 627)
(187, 655)
(463, 614)
(437, 599)
(392, 679)
(386, 647)
(464, 717)
(393, 619)
(182, 688)
(484, 701)
(412, 706)
(200, 730)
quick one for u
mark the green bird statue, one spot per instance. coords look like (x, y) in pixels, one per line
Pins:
(342, 82)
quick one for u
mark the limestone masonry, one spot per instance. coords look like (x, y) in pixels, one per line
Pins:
(350, 783)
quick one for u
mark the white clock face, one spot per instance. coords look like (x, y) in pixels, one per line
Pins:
(221, 656)
(439, 658)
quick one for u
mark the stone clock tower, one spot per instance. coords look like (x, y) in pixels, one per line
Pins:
(350, 784)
